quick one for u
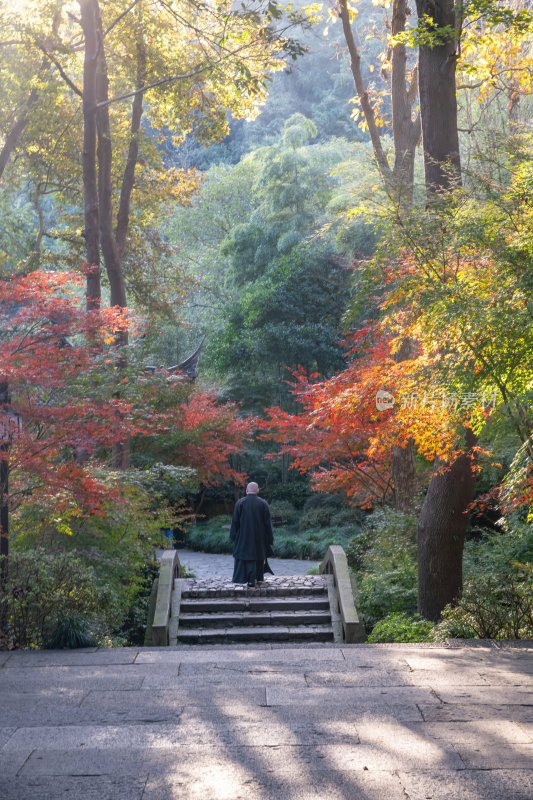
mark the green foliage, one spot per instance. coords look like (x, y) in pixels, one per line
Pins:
(43, 590)
(70, 631)
(295, 491)
(319, 85)
(399, 627)
(211, 536)
(356, 549)
(283, 512)
(17, 233)
(269, 296)
(495, 606)
(317, 517)
(384, 558)
(133, 626)
(117, 548)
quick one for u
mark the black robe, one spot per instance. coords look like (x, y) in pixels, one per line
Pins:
(251, 533)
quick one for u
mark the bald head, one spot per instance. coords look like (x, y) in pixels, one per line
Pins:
(252, 488)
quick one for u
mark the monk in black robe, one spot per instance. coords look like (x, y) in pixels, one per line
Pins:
(251, 533)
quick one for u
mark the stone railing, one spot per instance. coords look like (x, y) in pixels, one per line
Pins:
(169, 570)
(341, 590)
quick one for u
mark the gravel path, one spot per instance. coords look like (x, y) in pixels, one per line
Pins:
(219, 565)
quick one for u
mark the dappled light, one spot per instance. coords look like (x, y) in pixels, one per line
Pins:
(266, 383)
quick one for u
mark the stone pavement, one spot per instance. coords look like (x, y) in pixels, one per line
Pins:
(355, 722)
(220, 565)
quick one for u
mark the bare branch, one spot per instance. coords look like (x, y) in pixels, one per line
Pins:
(121, 16)
(60, 69)
(161, 82)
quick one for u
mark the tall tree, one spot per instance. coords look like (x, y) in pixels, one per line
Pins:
(403, 85)
(437, 60)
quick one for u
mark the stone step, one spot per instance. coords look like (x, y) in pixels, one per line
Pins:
(225, 605)
(272, 633)
(255, 618)
(194, 589)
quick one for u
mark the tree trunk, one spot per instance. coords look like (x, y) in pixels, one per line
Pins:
(403, 469)
(15, 133)
(105, 187)
(362, 93)
(441, 532)
(90, 181)
(128, 180)
(406, 130)
(403, 466)
(438, 102)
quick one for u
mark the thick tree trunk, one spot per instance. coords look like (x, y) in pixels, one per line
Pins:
(105, 187)
(113, 241)
(403, 469)
(438, 102)
(441, 532)
(90, 181)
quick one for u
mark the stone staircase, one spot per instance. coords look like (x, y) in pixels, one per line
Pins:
(284, 609)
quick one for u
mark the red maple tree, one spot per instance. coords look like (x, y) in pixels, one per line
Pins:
(59, 363)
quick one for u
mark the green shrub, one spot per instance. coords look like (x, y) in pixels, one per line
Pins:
(317, 517)
(321, 499)
(385, 562)
(295, 492)
(382, 593)
(133, 628)
(349, 516)
(399, 627)
(496, 606)
(495, 551)
(357, 547)
(211, 536)
(43, 589)
(117, 547)
(284, 511)
(69, 632)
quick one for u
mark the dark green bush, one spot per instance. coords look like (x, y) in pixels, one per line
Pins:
(211, 536)
(349, 516)
(357, 547)
(496, 606)
(284, 511)
(295, 492)
(384, 558)
(133, 627)
(399, 627)
(322, 500)
(69, 632)
(316, 517)
(43, 589)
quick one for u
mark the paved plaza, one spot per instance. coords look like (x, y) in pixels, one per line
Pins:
(271, 722)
